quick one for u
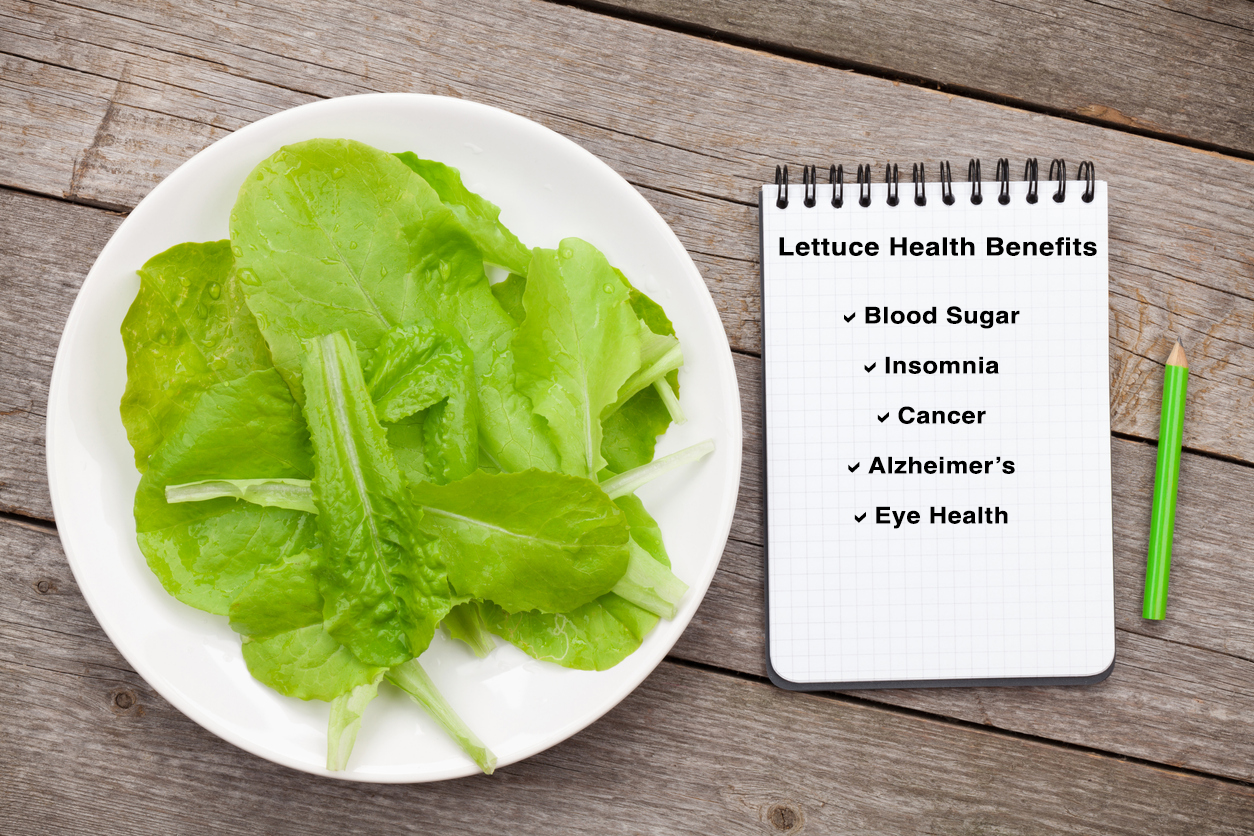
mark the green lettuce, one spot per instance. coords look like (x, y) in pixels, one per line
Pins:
(509, 293)
(204, 552)
(187, 330)
(286, 646)
(426, 380)
(480, 217)
(384, 587)
(594, 637)
(579, 342)
(631, 428)
(335, 235)
(526, 541)
(600, 634)
(347, 437)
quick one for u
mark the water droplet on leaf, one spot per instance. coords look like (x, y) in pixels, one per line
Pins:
(248, 277)
(215, 290)
(202, 311)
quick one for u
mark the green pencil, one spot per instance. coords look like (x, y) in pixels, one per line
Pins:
(1166, 479)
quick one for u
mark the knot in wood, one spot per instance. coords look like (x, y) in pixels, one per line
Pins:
(783, 818)
(124, 700)
(43, 587)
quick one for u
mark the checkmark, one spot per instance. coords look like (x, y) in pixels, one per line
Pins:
(854, 467)
(851, 316)
(859, 517)
(870, 368)
(884, 417)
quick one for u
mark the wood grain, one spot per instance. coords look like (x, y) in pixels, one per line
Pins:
(99, 101)
(695, 133)
(689, 751)
(46, 248)
(1182, 69)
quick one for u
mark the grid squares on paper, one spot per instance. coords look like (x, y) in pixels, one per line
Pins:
(889, 598)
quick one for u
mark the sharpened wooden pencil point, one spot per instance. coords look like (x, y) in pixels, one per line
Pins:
(1177, 358)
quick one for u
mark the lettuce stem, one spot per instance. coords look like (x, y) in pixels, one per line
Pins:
(629, 480)
(345, 722)
(413, 680)
(650, 585)
(664, 365)
(663, 387)
(294, 494)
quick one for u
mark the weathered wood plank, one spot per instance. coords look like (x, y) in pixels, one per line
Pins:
(89, 745)
(1182, 69)
(46, 248)
(1184, 684)
(695, 132)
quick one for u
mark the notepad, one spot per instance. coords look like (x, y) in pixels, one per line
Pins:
(937, 432)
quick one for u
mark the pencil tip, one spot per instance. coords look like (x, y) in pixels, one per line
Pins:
(1177, 358)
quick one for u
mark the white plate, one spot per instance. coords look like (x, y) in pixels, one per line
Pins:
(548, 188)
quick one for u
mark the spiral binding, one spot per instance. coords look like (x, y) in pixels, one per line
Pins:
(1031, 174)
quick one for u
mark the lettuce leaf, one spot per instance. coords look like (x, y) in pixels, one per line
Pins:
(480, 217)
(579, 343)
(419, 370)
(526, 541)
(335, 235)
(413, 680)
(598, 635)
(531, 540)
(346, 715)
(204, 552)
(464, 623)
(594, 637)
(384, 586)
(187, 330)
(509, 293)
(279, 614)
(630, 432)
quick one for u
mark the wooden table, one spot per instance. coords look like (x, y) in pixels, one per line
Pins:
(100, 99)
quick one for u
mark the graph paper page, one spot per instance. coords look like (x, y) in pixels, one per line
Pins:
(937, 491)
